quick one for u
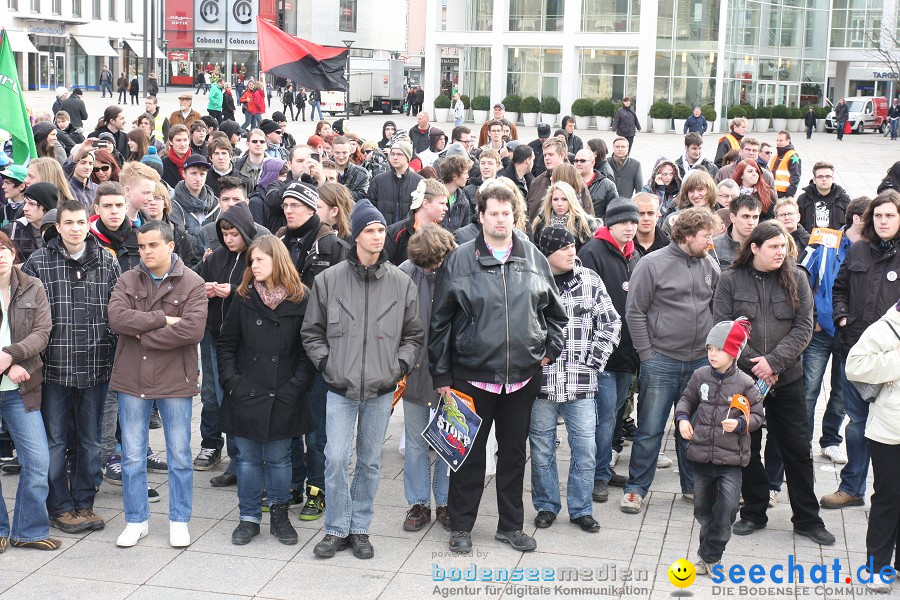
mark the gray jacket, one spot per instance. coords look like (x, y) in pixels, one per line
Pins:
(419, 385)
(780, 332)
(362, 328)
(669, 306)
(726, 248)
(628, 178)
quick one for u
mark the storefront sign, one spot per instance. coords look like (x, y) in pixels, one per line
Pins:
(173, 56)
(885, 75)
(241, 16)
(61, 30)
(179, 23)
(209, 39)
(237, 41)
(210, 15)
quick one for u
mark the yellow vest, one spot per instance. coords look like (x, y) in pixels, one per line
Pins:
(782, 172)
(735, 144)
(158, 121)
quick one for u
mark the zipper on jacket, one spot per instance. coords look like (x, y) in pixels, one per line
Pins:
(362, 373)
(233, 267)
(381, 316)
(506, 305)
(344, 308)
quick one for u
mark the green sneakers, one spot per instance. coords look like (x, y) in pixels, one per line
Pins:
(315, 504)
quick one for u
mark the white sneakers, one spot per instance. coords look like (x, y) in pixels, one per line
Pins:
(773, 498)
(663, 461)
(133, 532)
(179, 536)
(836, 454)
(614, 460)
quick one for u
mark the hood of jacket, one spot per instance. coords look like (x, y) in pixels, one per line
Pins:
(604, 234)
(813, 192)
(384, 126)
(238, 216)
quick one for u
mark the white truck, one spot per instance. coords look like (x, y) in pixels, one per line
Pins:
(375, 84)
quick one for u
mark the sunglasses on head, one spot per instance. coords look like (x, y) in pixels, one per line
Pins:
(103, 168)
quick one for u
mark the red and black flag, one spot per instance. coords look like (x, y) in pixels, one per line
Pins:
(310, 65)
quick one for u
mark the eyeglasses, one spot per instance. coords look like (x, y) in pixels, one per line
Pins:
(397, 155)
(825, 177)
(257, 141)
(104, 168)
(279, 132)
(725, 195)
(290, 206)
(370, 151)
(581, 160)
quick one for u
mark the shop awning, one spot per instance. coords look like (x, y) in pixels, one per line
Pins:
(19, 42)
(137, 46)
(95, 46)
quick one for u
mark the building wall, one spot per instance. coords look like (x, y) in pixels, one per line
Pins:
(380, 25)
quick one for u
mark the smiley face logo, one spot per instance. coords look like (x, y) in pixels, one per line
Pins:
(682, 573)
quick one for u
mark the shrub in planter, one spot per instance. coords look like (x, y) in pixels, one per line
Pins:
(737, 111)
(661, 110)
(583, 108)
(681, 111)
(550, 105)
(763, 112)
(442, 101)
(709, 113)
(780, 111)
(481, 103)
(822, 111)
(797, 113)
(512, 103)
(604, 108)
(467, 102)
(530, 105)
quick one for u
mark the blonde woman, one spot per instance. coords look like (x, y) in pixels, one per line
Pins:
(560, 207)
(335, 206)
(48, 170)
(697, 189)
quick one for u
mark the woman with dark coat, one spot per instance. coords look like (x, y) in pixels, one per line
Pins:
(227, 103)
(300, 101)
(265, 373)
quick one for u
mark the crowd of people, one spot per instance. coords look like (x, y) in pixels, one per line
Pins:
(319, 283)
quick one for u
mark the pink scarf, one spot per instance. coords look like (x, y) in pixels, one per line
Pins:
(270, 298)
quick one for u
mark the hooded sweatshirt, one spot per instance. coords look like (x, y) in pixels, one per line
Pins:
(225, 266)
(817, 210)
(384, 141)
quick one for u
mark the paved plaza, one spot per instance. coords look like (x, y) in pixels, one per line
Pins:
(628, 558)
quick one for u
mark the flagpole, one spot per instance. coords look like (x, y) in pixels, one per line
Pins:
(347, 43)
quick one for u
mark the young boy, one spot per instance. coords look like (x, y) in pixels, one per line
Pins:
(718, 410)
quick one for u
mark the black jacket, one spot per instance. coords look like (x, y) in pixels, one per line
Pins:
(356, 180)
(862, 291)
(494, 322)
(460, 214)
(625, 122)
(124, 248)
(392, 195)
(264, 370)
(604, 258)
(573, 143)
(660, 240)
(809, 119)
(538, 147)
(227, 107)
(420, 140)
(397, 237)
(509, 171)
(841, 112)
(314, 247)
(834, 203)
(171, 173)
(212, 180)
(76, 109)
(602, 190)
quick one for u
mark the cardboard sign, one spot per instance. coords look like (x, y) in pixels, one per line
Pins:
(830, 238)
(452, 430)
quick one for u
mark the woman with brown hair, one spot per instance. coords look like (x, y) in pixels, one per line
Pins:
(356, 155)
(697, 189)
(105, 167)
(264, 405)
(335, 206)
(748, 177)
(138, 142)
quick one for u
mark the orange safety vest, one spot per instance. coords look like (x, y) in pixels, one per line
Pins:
(782, 171)
(735, 144)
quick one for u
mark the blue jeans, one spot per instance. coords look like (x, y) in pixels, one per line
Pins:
(417, 473)
(73, 491)
(259, 464)
(717, 493)
(30, 520)
(211, 394)
(853, 475)
(316, 106)
(662, 381)
(612, 393)
(581, 418)
(894, 128)
(309, 464)
(350, 507)
(134, 421)
(255, 120)
(106, 87)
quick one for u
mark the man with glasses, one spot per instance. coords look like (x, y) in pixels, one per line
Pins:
(249, 164)
(788, 213)
(823, 203)
(273, 133)
(495, 139)
(765, 152)
(353, 177)
(391, 191)
(749, 151)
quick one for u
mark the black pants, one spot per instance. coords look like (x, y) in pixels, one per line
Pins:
(216, 114)
(630, 139)
(787, 420)
(134, 98)
(289, 108)
(717, 491)
(511, 413)
(883, 536)
(301, 109)
(123, 97)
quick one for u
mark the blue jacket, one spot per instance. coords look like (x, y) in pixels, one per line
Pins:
(822, 265)
(698, 124)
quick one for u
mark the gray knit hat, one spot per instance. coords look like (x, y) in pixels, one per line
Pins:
(621, 210)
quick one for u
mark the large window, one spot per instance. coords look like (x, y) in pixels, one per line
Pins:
(347, 18)
(534, 71)
(96, 10)
(14, 4)
(855, 23)
(76, 8)
(607, 74)
(35, 6)
(610, 15)
(477, 65)
(685, 77)
(536, 15)
(57, 7)
(112, 10)
(129, 11)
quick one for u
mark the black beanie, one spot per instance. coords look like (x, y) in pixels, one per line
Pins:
(363, 215)
(45, 194)
(621, 210)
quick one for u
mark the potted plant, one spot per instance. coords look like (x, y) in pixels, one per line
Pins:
(780, 115)
(709, 113)
(795, 119)
(550, 110)
(480, 107)
(583, 109)
(442, 109)
(604, 111)
(531, 106)
(512, 104)
(467, 104)
(821, 113)
(680, 113)
(661, 115)
(761, 117)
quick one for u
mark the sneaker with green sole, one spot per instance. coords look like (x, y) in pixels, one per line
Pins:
(315, 504)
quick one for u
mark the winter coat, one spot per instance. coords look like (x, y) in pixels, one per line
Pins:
(81, 346)
(705, 401)
(134, 88)
(603, 257)
(396, 239)
(419, 385)
(841, 112)
(707, 164)
(698, 124)
(591, 335)
(822, 264)
(362, 328)
(176, 118)
(810, 119)
(494, 322)
(122, 83)
(509, 171)
(725, 146)
(815, 207)
(247, 169)
(668, 309)
(460, 213)
(573, 143)
(185, 207)
(77, 111)
(356, 180)
(30, 325)
(326, 250)
(127, 255)
(875, 359)
(538, 148)
(162, 363)
(538, 189)
(421, 140)
(152, 87)
(628, 177)
(801, 239)
(625, 122)
(264, 370)
(83, 192)
(214, 99)
(25, 237)
(863, 291)
(213, 176)
(227, 106)
(780, 331)
(725, 248)
(392, 195)
(603, 191)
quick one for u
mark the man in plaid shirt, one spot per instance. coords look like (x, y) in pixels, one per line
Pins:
(78, 276)
(569, 385)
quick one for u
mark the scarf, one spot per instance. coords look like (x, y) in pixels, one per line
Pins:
(559, 220)
(179, 162)
(299, 241)
(116, 239)
(270, 298)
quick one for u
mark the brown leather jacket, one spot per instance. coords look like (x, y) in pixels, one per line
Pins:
(176, 118)
(29, 328)
(153, 359)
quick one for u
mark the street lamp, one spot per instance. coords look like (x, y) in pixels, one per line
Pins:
(347, 43)
(165, 44)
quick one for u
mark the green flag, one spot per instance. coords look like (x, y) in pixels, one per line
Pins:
(13, 116)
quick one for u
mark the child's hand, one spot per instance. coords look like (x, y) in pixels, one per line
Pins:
(687, 432)
(729, 425)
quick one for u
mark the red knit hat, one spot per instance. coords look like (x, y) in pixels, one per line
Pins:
(730, 336)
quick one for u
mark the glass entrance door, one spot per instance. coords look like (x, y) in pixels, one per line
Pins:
(59, 70)
(44, 70)
(788, 94)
